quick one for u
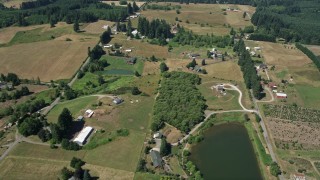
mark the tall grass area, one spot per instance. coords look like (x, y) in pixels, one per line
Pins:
(310, 95)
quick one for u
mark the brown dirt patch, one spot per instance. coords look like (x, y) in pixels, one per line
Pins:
(172, 134)
(151, 68)
(49, 60)
(227, 70)
(283, 55)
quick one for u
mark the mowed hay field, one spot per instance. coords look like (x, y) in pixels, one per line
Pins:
(96, 27)
(49, 60)
(203, 18)
(13, 3)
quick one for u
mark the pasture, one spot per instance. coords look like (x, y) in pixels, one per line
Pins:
(119, 63)
(6, 34)
(202, 18)
(96, 27)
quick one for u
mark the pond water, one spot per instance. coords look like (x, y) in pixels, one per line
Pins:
(116, 72)
(226, 153)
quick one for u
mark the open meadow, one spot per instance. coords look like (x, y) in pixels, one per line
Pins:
(202, 18)
(47, 53)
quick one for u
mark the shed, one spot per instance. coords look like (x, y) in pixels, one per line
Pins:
(117, 100)
(156, 158)
(80, 118)
(248, 48)
(128, 50)
(135, 32)
(105, 27)
(281, 95)
(220, 87)
(83, 135)
(89, 113)
(108, 46)
(272, 85)
(157, 135)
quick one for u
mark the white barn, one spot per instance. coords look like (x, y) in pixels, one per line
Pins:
(83, 135)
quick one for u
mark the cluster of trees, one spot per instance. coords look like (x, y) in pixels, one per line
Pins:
(29, 106)
(295, 21)
(24, 91)
(179, 103)
(193, 170)
(79, 173)
(251, 78)
(262, 37)
(11, 77)
(185, 37)
(165, 148)
(106, 36)
(31, 125)
(275, 169)
(53, 11)
(163, 67)
(133, 8)
(158, 29)
(310, 54)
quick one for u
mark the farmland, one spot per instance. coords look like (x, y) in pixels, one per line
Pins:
(192, 17)
(53, 59)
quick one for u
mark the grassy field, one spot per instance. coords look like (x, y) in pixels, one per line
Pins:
(214, 22)
(119, 63)
(76, 107)
(6, 34)
(33, 53)
(96, 27)
(144, 176)
(310, 95)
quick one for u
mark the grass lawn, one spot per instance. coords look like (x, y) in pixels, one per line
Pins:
(75, 106)
(145, 176)
(123, 81)
(310, 95)
(120, 63)
(137, 115)
(227, 102)
(46, 95)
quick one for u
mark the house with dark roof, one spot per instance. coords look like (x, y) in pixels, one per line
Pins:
(156, 158)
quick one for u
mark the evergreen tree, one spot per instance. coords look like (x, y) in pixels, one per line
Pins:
(135, 91)
(129, 8)
(86, 175)
(65, 120)
(129, 28)
(203, 62)
(135, 7)
(165, 148)
(105, 37)
(76, 27)
(163, 67)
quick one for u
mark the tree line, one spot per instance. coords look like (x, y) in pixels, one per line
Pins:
(244, 2)
(179, 102)
(250, 76)
(310, 54)
(53, 11)
(17, 94)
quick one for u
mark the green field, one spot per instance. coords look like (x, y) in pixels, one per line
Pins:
(146, 176)
(46, 95)
(120, 63)
(75, 106)
(310, 95)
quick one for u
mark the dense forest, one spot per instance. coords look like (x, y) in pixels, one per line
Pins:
(252, 80)
(179, 103)
(159, 29)
(52, 11)
(293, 20)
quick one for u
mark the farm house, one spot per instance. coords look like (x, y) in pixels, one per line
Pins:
(83, 135)
(281, 95)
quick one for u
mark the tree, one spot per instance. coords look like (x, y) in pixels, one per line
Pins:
(209, 55)
(11, 77)
(66, 173)
(232, 31)
(65, 120)
(30, 126)
(100, 80)
(44, 135)
(80, 74)
(141, 165)
(244, 14)
(203, 62)
(135, 91)
(129, 8)
(52, 23)
(24, 91)
(96, 52)
(135, 7)
(204, 71)
(76, 163)
(275, 169)
(192, 64)
(169, 48)
(105, 37)
(129, 28)
(38, 81)
(163, 67)
(76, 26)
(136, 73)
(153, 58)
(165, 148)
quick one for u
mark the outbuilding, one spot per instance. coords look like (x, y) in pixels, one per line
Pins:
(155, 158)
(83, 135)
(157, 135)
(89, 113)
(117, 100)
(281, 95)
(80, 118)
